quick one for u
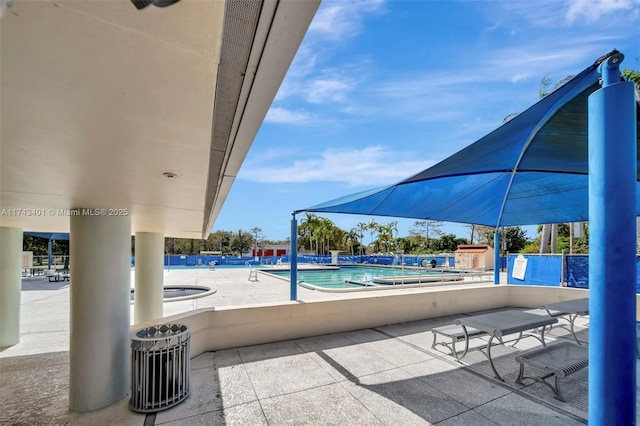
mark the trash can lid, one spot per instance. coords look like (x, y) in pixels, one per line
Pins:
(161, 330)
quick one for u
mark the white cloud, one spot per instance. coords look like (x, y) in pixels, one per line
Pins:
(283, 115)
(328, 89)
(563, 54)
(570, 13)
(493, 27)
(357, 167)
(593, 10)
(520, 77)
(307, 79)
(338, 19)
(454, 91)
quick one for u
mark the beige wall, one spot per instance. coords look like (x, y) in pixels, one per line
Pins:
(489, 258)
(474, 260)
(229, 327)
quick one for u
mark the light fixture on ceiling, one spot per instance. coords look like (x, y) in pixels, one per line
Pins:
(141, 4)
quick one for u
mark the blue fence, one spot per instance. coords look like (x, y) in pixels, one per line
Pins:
(576, 273)
(548, 270)
(199, 260)
(541, 270)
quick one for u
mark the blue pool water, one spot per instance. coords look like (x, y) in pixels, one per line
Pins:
(336, 278)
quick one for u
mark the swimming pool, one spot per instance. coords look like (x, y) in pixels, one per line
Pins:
(359, 277)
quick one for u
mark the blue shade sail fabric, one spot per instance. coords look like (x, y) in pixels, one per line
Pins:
(531, 170)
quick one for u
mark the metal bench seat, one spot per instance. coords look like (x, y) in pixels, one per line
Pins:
(558, 360)
(456, 334)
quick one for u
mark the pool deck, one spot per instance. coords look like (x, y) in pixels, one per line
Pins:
(379, 376)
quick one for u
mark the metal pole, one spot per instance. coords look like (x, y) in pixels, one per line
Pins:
(496, 257)
(50, 254)
(612, 265)
(563, 267)
(294, 258)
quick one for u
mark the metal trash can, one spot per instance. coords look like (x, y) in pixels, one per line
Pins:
(159, 367)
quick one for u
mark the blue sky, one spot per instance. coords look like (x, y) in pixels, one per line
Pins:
(380, 90)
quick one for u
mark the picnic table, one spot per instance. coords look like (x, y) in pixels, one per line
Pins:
(502, 323)
(57, 275)
(33, 270)
(570, 308)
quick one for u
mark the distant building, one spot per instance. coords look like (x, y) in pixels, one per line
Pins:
(270, 250)
(474, 256)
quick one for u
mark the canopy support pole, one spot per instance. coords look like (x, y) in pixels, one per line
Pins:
(496, 257)
(294, 258)
(612, 249)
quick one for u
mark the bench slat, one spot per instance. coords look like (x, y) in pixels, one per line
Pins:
(561, 359)
(456, 333)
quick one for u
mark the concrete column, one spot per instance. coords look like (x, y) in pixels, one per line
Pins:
(334, 256)
(149, 290)
(10, 285)
(100, 305)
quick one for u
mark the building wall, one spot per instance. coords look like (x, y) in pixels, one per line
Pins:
(474, 259)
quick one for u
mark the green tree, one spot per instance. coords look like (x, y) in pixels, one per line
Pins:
(485, 234)
(349, 239)
(306, 231)
(372, 226)
(37, 245)
(546, 87)
(240, 242)
(427, 229)
(472, 228)
(632, 75)
(448, 243)
(409, 245)
(515, 237)
(218, 241)
(361, 227)
(256, 233)
(385, 236)
(324, 234)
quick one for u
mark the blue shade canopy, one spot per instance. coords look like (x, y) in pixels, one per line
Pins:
(531, 170)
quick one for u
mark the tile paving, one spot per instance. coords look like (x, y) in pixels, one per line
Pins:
(380, 376)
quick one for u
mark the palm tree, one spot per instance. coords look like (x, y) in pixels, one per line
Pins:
(361, 227)
(393, 228)
(383, 237)
(349, 238)
(372, 226)
(323, 232)
(306, 228)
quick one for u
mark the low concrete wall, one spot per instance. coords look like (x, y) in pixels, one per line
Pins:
(230, 327)
(529, 296)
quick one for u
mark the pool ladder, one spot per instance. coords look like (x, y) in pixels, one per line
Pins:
(253, 273)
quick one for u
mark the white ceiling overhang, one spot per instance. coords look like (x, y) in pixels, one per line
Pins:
(98, 100)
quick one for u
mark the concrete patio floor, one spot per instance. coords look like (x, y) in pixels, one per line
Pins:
(378, 376)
